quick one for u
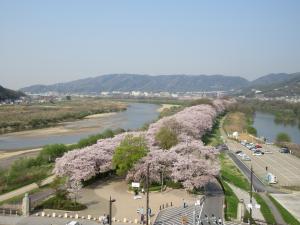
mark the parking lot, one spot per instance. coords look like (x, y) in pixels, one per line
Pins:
(285, 167)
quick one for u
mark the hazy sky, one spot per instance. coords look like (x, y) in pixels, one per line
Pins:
(58, 40)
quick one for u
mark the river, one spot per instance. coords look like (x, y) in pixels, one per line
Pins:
(134, 117)
(266, 127)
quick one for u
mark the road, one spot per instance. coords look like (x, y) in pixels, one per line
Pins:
(214, 200)
(257, 184)
(285, 167)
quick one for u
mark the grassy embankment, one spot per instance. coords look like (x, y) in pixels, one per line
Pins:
(26, 117)
(287, 217)
(240, 122)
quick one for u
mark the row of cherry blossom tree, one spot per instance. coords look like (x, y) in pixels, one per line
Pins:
(188, 162)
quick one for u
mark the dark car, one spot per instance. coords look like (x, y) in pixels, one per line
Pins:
(238, 152)
(284, 150)
(224, 147)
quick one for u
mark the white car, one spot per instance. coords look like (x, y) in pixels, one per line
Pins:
(257, 153)
(73, 223)
(241, 154)
(268, 152)
(246, 158)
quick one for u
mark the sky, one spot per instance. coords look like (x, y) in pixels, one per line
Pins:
(45, 42)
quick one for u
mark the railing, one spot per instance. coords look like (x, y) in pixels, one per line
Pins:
(10, 212)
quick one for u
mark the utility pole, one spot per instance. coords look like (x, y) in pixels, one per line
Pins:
(110, 209)
(147, 201)
(251, 180)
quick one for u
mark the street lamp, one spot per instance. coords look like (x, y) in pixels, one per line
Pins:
(110, 206)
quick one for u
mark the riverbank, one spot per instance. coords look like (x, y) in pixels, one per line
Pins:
(27, 117)
(166, 106)
(136, 115)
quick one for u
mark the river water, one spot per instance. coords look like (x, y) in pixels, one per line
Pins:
(266, 127)
(134, 117)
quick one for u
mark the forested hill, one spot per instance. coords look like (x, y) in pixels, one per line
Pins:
(133, 82)
(6, 94)
(275, 85)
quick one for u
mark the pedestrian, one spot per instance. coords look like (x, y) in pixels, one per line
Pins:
(104, 219)
(183, 203)
(108, 218)
(149, 211)
(219, 221)
(142, 218)
(143, 190)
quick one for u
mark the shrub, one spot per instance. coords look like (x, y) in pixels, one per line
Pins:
(283, 137)
(251, 130)
(130, 150)
(62, 203)
(166, 138)
(50, 152)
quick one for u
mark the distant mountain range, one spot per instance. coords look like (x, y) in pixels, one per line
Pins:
(274, 85)
(9, 94)
(174, 83)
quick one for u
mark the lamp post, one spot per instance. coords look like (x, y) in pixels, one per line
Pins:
(110, 210)
(251, 180)
(147, 199)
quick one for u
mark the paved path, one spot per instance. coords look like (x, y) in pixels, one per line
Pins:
(27, 188)
(32, 220)
(274, 210)
(174, 216)
(96, 197)
(214, 201)
(241, 194)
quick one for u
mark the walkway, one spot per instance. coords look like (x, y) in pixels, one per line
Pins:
(274, 210)
(25, 189)
(241, 194)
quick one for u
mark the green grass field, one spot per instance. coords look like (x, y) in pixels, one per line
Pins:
(265, 210)
(231, 174)
(231, 202)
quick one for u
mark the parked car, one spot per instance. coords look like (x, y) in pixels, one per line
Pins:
(257, 153)
(268, 152)
(248, 145)
(223, 147)
(258, 146)
(284, 150)
(246, 158)
(241, 154)
(73, 223)
(243, 143)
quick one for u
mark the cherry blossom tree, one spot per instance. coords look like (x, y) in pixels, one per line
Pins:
(188, 162)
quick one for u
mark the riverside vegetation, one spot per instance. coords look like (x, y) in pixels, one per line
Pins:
(284, 112)
(25, 117)
(29, 170)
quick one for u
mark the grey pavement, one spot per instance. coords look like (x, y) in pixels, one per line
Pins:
(32, 220)
(214, 201)
(241, 194)
(257, 184)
